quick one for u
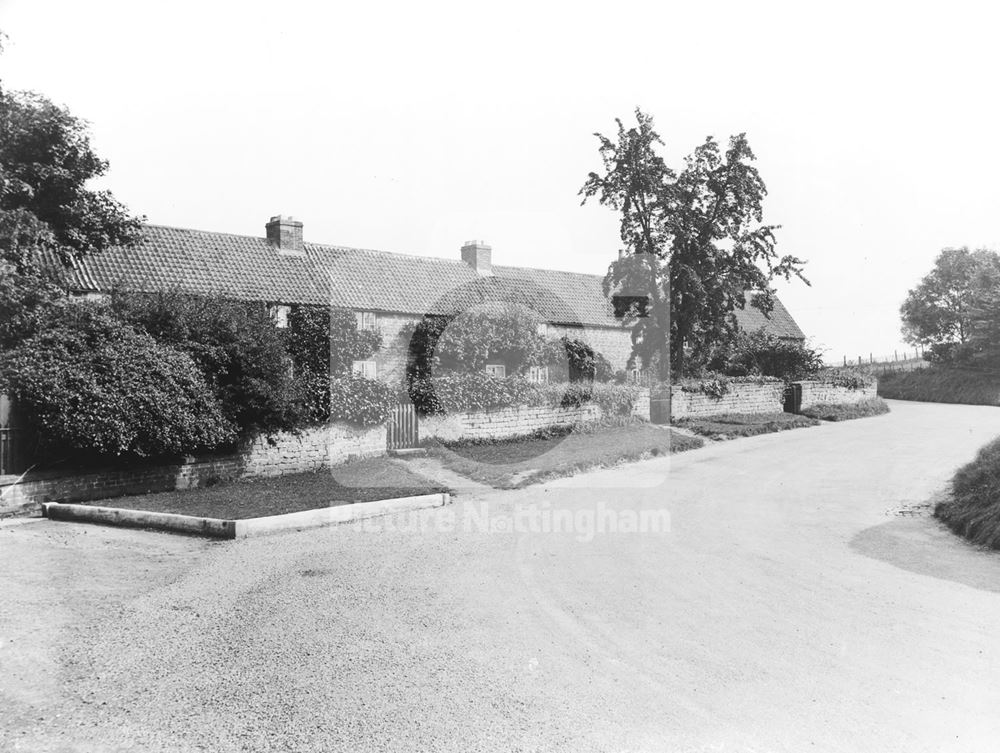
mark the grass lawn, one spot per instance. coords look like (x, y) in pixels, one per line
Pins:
(972, 509)
(511, 464)
(359, 481)
(846, 411)
(732, 425)
(939, 384)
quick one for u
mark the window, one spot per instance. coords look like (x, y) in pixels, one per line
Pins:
(538, 374)
(366, 320)
(365, 369)
(279, 315)
(635, 375)
(636, 305)
(543, 329)
(496, 370)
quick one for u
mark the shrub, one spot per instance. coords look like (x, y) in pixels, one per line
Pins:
(471, 392)
(760, 353)
(582, 361)
(852, 379)
(615, 399)
(973, 507)
(93, 386)
(938, 384)
(465, 343)
(237, 347)
(360, 401)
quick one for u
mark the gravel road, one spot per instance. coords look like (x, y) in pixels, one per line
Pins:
(801, 599)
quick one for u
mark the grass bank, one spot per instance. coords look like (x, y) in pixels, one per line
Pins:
(733, 425)
(515, 463)
(360, 481)
(972, 509)
(939, 384)
(876, 406)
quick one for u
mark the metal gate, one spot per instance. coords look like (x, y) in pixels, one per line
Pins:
(402, 431)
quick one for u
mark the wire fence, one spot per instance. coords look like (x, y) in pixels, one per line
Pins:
(897, 361)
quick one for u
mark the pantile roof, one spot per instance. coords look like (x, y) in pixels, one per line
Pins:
(248, 268)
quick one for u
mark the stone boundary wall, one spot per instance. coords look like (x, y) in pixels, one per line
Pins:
(503, 423)
(741, 398)
(314, 449)
(820, 393)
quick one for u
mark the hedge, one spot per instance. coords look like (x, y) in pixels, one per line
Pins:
(463, 393)
(360, 401)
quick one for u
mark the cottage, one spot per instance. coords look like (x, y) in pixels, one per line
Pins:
(386, 291)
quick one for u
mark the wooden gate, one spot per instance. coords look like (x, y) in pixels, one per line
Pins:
(402, 429)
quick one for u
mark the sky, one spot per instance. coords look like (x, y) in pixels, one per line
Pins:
(413, 127)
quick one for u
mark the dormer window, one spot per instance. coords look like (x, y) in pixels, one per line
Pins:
(633, 305)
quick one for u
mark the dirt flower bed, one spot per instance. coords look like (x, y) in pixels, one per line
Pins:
(359, 481)
(515, 463)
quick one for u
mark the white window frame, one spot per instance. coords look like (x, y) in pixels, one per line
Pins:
(367, 369)
(367, 321)
(538, 374)
(279, 314)
(497, 370)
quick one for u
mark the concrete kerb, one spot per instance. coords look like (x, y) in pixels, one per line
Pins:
(218, 528)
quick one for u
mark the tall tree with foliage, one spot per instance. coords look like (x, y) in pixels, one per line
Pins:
(694, 242)
(46, 161)
(945, 306)
(47, 212)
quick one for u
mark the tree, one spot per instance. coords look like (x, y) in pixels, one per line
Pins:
(46, 162)
(694, 242)
(942, 308)
(47, 214)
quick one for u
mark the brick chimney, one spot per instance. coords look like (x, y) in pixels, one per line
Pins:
(479, 256)
(285, 234)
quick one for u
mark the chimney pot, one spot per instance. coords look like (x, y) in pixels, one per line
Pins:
(285, 234)
(479, 256)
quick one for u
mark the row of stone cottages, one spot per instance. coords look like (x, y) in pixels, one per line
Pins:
(387, 291)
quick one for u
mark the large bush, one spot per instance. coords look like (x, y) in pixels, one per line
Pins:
(359, 401)
(93, 386)
(467, 342)
(761, 354)
(240, 352)
(572, 359)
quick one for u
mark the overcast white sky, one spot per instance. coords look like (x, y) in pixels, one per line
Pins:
(412, 127)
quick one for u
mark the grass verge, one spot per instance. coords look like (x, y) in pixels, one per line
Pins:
(972, 509)
(938, 384)
(359, 481)
(875, 406)
(518, 462)
(732, 425)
